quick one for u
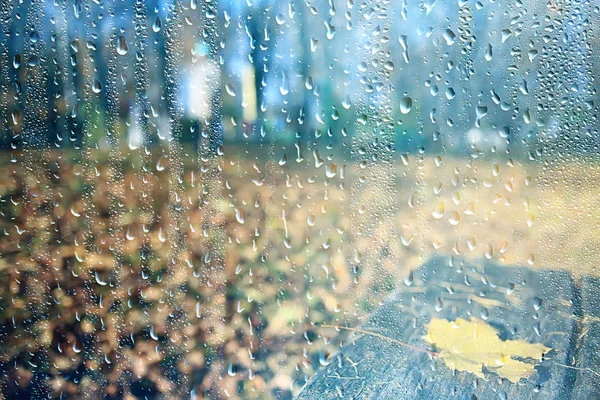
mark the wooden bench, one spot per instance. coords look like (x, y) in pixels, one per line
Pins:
(543, 306)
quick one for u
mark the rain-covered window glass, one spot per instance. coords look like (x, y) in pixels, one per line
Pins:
(312, 199)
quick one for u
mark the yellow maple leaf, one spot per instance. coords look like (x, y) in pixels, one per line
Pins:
(472, 345)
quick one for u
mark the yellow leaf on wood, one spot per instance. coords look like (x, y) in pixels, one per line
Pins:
(474, 345)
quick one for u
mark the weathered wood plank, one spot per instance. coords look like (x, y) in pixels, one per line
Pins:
(587, 355)
(522, 304)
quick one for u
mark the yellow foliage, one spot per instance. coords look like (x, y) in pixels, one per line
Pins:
(472, 345)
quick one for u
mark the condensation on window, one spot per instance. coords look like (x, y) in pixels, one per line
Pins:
(210, 198)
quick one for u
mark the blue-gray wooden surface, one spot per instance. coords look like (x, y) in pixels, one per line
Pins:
(538, 306)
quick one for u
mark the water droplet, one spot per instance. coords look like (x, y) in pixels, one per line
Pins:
(532, 54)
(240, 215)
(406, 105)
(471, 243)
(485, 314)
(489, 251)
(34, 36)
(409, 279)
(280, 19)
(122, 47)
(99, 280)
(330, 170)
(324, 358)
(449, 37)
(284, 89)
(404, 158)
(523, 87)
(439, 304)
(161, 164)
(531, 259)
(530, 219)
(15, 116)
(129, 235)
(454, 218)
(439, 210)
(347, 102)
(232, 370)
(96, 86)
(313, 45)
(16, 61)
(230, 89)
(161, 235)
(489, 52)
(157, 25)
(330, 29)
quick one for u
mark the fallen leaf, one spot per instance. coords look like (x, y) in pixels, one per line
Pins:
(474, 345)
